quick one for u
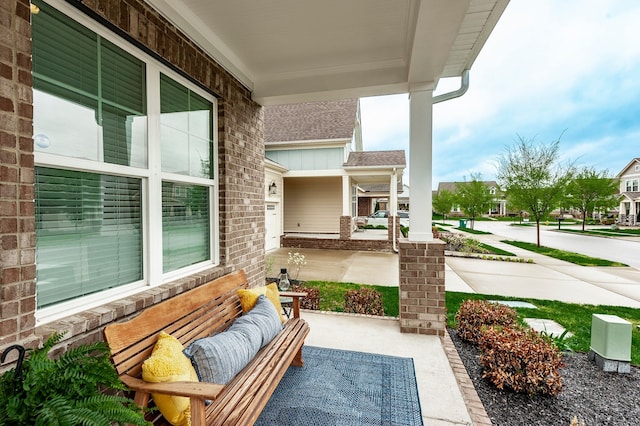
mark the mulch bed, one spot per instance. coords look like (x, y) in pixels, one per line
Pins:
(591, 395)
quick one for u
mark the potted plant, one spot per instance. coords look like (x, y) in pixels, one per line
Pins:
(67, 390)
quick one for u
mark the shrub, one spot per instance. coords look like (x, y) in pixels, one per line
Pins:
(311, 300)
(363, 301)
(473, 315)
(520, 360)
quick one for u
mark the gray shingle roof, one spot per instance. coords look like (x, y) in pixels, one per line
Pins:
(310, 121)
(376, 158)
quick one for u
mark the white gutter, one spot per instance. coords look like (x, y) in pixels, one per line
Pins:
(464, 86)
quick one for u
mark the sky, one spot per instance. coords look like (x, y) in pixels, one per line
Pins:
(551, 69)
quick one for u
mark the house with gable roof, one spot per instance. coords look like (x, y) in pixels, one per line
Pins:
(629, 178)
(133, 151)
(318, 190)
(498, 206)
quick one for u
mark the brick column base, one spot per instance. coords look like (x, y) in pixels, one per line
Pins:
(346, 222)
(422, 297)
(390, 234)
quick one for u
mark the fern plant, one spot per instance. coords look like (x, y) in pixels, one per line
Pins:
(66, 391)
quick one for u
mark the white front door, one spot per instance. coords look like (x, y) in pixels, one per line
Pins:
(273, 224)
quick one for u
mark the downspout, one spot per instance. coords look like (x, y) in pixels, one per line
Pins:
(464, 86)
(395, 209)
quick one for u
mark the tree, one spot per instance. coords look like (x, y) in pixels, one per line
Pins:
(443, 202)
(533, 177)
(473, 197)
(590, 191)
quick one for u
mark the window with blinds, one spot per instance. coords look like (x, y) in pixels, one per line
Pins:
(88, 231)
(98, 224)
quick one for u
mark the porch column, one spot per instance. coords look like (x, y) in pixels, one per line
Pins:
(422, 297)
(393, 208)
(346, 221)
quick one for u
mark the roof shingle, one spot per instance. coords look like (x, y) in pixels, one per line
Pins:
(376, 158)
(310, 121)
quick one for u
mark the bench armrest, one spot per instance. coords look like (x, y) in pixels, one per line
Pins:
(295, 295)
(199, 390)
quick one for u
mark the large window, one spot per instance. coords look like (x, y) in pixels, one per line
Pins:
(125, 187)
(632, 185)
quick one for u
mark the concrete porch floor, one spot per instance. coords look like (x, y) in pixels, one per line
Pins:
(441, 398)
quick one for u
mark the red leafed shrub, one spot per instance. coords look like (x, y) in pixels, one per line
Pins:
(311, 300)
(473, 315)
(520, 360)
(363, 301)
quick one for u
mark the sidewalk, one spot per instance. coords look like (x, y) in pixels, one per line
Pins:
(446, 393)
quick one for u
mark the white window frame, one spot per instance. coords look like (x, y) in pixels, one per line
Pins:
(151, 178)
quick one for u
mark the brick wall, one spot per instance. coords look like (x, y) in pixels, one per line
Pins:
(17, 222)
(346, 225)
(422, 292)
(240, 169)
(335, 244)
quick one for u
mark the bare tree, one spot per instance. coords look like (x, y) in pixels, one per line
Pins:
(533, 177)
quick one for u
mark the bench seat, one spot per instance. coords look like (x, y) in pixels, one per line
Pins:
(201, 312)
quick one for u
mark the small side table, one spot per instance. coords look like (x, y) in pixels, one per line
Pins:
(287, 305)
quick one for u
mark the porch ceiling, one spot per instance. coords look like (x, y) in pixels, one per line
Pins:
(290, 51)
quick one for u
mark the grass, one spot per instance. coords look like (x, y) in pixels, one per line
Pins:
(332, 296)
(578, 259)
(607, 232)
(573, 316)
(496, 250)
(473, 231)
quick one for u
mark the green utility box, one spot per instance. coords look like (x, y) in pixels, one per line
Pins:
(463, 223)
(611, 337)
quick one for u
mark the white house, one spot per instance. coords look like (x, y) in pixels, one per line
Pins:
(629, 178)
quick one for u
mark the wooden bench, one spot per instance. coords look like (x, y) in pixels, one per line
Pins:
(201, 312)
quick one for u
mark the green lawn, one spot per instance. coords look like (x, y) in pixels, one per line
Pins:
(574, 317)
(607, 232)
(578, 259)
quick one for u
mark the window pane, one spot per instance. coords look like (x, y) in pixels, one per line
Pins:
(64, 50)
(185, 225)
(88, 232)
(186, 130)
(92, 94)
(64, 123)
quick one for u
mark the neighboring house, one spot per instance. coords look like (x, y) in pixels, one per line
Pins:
(375, 196)
(629, 178)
(499, 206)
(320, 145)
(132, 163)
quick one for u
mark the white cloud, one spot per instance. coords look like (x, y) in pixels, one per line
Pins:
(548, 66)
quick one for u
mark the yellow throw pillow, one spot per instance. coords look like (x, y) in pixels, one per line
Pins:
(167, 363)
(249, 297)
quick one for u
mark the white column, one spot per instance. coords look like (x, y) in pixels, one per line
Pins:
(346, 196)
(420, 169)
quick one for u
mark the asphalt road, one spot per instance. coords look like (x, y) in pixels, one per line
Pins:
(625, 250)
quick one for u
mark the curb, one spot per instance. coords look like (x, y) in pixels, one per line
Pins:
(475, 408)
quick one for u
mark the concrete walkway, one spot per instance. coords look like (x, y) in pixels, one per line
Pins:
(446, 394)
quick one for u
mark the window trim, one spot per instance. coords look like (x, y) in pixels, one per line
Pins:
(151, 178)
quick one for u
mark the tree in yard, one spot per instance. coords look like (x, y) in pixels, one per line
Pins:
(473, 197)
(533, 177)
(442, 202)
(590, 191)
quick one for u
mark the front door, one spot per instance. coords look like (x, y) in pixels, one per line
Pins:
(273, 225)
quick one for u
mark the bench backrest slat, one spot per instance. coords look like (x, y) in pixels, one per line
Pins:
(199, 312)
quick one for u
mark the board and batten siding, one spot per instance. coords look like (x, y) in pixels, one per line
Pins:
(313, 204)
(308, 159)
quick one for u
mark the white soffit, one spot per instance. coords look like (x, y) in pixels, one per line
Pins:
(307, 50)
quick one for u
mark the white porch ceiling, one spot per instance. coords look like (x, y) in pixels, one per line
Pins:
(289, 51)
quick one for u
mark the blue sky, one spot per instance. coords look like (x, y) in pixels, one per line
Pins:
(549, 67)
